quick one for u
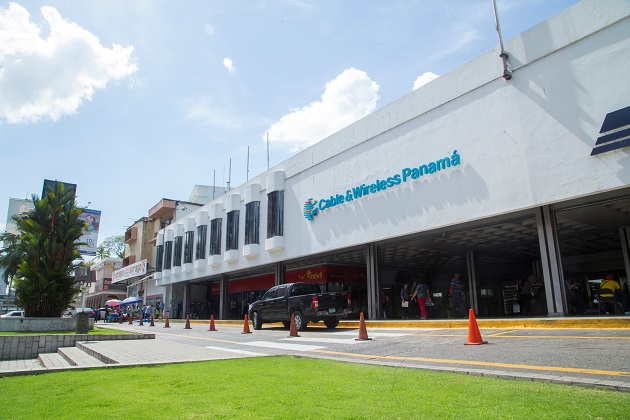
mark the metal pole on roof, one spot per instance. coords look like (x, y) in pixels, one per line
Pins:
(507, 72)
(214, 181)
(229, 175)
(247, 163)
(267, 150)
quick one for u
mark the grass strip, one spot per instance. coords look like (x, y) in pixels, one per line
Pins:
(290, 387)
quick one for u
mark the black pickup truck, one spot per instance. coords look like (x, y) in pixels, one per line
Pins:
(305, 301)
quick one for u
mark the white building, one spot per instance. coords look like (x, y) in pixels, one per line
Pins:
(471, 173)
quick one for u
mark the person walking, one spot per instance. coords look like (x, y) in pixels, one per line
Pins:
(612, 290)
(384, 303)
(404, 299)
(527, 293)
(457, 303)
(233, 311)
(421, 294)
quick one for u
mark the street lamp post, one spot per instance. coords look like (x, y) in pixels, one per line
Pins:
(85, 286)
(83, 321)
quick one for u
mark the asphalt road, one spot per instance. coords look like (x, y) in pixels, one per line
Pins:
(579, 356)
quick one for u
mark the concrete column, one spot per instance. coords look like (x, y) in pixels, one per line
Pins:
(473, 299)
(374, 303)
(168, 293)
(624, 235)
(224, 304)
(185, 300)
(281, 273)
(550, 261)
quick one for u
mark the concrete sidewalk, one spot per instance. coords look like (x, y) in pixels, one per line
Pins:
(110, 354)
(122, 353)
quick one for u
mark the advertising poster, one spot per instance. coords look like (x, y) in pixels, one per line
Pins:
(17, 206)
(90, 234)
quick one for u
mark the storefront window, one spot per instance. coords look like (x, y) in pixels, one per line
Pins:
(275, 214)
(168, 254)
(252, 222)
(232, 230)
(177, 256)
(202, 233)
(215, 236)
(188, 247)
(159, 257)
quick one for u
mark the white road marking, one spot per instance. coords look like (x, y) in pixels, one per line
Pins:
(243, 352)
(283, 346)
(372, 334)
(324, 340)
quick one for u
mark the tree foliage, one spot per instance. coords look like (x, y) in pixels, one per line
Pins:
(43, 255)
(114, 246)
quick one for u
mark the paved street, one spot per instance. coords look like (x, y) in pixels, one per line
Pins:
(581, 356)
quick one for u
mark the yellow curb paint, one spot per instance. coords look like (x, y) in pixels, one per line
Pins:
(476, 363)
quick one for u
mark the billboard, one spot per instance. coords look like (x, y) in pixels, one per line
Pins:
(90, 235)
(51, 184)
(17, 206)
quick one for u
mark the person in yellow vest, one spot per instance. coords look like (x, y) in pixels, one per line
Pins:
(611, 284)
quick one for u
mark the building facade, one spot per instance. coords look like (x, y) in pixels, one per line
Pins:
(495, 179)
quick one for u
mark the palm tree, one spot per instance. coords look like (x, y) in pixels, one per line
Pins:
(45, 251)
(9, 260)
(10, 256)
(101, 252)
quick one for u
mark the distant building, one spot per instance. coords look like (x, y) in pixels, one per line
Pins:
(102, 289)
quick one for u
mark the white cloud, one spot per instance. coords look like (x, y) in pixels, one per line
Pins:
(227, 63)
(204, 110)
(346, 99)
(209, 29)
(51, 77)
(424, 79)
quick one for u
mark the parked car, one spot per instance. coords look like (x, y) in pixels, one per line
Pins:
(12, 314)
(304, 301)
(91, 313)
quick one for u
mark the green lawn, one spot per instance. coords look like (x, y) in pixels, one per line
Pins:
(290, 388)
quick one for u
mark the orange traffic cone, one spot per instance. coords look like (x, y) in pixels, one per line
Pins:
(130, 320)
(187, 327)
(362, 330)
(212, 328)
(246, 326)
(167, 324)
(141, 320)
(474, 336)
(293, 330)
(152, 323)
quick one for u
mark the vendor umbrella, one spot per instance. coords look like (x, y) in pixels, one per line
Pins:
(113, 302)
(131, 300)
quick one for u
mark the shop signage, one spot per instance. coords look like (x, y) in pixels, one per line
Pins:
(132, 270)
(615, 130)
(312, 207)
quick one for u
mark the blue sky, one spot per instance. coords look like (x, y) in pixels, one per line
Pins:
(136, 101)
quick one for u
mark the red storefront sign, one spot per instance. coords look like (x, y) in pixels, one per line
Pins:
(317, 274)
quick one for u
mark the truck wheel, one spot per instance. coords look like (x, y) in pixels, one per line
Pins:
(256, 321)
(286, 324)
(331, 322)
(300, 321)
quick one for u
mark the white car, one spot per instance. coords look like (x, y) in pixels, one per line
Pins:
(12, 314)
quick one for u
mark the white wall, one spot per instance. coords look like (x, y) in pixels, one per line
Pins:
(522, 143)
